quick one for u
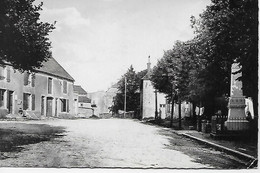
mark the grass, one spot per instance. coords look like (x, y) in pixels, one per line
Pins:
(15, 135)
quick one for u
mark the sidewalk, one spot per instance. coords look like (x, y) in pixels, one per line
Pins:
(242, 148)
(245, 148)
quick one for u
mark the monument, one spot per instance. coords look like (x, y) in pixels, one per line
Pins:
(236, 114)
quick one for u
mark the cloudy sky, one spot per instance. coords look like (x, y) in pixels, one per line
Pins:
(96, 41)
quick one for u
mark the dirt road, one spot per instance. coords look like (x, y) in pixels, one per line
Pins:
(116, 143)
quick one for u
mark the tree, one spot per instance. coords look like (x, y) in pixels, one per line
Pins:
(227, 31)
(24, 42)
(133, 80)
(171, 74)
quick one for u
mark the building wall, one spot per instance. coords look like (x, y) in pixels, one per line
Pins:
(14, 85)
(39, 90)
(148, 101)
(57, 95)
(98, 99)
(84, 109)
(75, 103)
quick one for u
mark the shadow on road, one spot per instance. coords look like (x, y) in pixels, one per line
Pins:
(14, 135)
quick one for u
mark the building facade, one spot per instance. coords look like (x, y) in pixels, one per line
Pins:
(148, 97)
(83, 107)
(45, 92)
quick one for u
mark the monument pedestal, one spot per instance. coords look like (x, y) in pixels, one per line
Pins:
(236, 115)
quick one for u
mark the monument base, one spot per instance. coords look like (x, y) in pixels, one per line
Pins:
(237, 124)
(236, 114)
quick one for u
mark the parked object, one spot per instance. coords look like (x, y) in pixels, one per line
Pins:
(205, 126)
(217, 125)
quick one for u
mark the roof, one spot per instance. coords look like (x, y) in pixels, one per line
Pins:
(148, 75)
(79, 90)
(84, 99)
(52, 67)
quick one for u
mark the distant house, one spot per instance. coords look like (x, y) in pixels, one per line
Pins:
(148, 96)
(83, 107)
(164, 106)
(109, 96)
(46, 92)
(103, 100)
(97, 98)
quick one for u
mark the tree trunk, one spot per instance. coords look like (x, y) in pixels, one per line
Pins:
(172, 110)
(179, 114)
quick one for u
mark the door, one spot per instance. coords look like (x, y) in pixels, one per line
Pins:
(10, 101)
(49, 107)
(42, 105)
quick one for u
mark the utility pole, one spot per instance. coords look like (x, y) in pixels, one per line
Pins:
(125, 99)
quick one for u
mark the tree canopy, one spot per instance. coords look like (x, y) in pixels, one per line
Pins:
(226, 32)
(24, 42)
(133, 81)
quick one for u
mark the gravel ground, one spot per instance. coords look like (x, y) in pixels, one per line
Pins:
(107, 143)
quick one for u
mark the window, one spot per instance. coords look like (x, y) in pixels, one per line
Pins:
(65, 87)
(64, 105)
(26, 101)
(26, 78)
(33, 102)
(2, 72)
(2, 94)
(49, 85)
(29, 79)
(67, 105)
(33, 80)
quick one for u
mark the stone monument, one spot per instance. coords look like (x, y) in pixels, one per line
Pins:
(236, 107)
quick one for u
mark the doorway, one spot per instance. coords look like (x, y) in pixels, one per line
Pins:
(10, 99)
(49, 106)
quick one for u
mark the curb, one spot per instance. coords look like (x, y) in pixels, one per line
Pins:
(221, 147)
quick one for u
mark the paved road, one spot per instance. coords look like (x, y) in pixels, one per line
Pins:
(118, 143)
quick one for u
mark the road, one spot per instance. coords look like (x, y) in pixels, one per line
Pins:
(116, 143)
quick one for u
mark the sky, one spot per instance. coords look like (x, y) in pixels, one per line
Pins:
(96, 41)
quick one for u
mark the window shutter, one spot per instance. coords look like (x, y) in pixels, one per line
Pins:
(33, 101)
(62, 105)
(8, 75)
(68, 105)
(2, 97)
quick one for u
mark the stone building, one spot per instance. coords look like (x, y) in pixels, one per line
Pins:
(46, 92)
(148, 97)
(109, 96)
